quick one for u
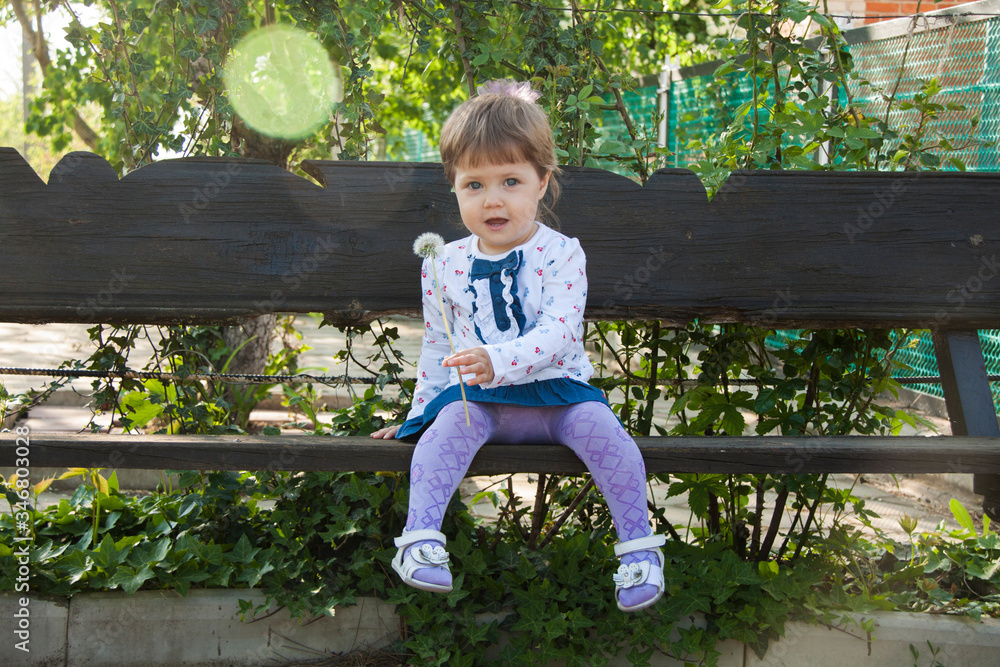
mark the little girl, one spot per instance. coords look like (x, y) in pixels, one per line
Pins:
(514, 294)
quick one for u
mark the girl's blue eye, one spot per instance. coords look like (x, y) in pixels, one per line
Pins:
(510, 182)
(475, 185)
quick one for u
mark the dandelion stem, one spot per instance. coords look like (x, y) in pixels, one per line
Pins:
(461, 383)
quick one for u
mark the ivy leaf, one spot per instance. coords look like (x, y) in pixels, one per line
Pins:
(188, 50)
(484, 633)
(127, 541)
(532, 618)
(182, 579)
(111, 503)
(139, 64)
(253, 575)
(149, 552)
(139, 21)
(401, 595)
(243, 552)
(74, 566)
(203, 24)
(106, 556)
(129, 579)
(767, 569)
(220, 578)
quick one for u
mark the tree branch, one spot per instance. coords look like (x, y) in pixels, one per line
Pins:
(40, 49)
(37, 39)
(469, 78)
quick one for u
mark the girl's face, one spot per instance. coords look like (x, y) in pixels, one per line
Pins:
(499, 203)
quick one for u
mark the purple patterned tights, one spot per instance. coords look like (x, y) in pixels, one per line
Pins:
(590, 429)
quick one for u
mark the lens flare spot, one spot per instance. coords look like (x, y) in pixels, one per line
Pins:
(281, 82)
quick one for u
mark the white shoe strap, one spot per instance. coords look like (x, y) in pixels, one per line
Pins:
(414, 536)
(640, 544)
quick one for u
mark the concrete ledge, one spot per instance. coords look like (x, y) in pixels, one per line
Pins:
(154, 628)
(128, 479)
(162, 628)
(958, 640)
(46, 638)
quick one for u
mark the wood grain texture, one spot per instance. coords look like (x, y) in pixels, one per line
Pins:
(967, 395)
(215, 240)
(771, 454)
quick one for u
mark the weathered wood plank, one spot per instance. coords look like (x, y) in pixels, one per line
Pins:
(903, 454)
(969, 400)
(210, 240)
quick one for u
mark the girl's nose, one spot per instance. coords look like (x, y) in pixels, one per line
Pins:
(492, 199)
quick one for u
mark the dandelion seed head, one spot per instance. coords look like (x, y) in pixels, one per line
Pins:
(428, 244)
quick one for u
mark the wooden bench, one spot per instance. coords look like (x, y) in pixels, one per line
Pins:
(204, 240)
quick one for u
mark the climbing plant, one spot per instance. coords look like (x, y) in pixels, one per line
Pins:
(155, 70)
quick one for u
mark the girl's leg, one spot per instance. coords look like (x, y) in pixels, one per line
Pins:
(440, 460)
(597, 437)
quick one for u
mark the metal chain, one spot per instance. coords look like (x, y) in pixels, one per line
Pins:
(245, 378)
(236, 378)
(934, 379)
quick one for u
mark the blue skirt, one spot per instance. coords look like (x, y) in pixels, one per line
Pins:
(558, 391)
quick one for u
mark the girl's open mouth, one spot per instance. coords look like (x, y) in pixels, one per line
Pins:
(496, 223)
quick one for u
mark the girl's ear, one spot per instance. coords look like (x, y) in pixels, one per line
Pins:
(544, 185)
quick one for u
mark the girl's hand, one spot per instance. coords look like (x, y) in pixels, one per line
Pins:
(386, 433)
(473, 361)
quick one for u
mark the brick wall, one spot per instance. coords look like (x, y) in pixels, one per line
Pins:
(886, 7)
(906, 8)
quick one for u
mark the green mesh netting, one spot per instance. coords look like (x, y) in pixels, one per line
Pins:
(642, 105)
(699, 110)
(964, 60)
(418, 147)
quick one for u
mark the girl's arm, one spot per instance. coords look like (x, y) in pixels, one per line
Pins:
(558, 328)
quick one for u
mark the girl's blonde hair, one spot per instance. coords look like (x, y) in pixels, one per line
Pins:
(501, 128)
